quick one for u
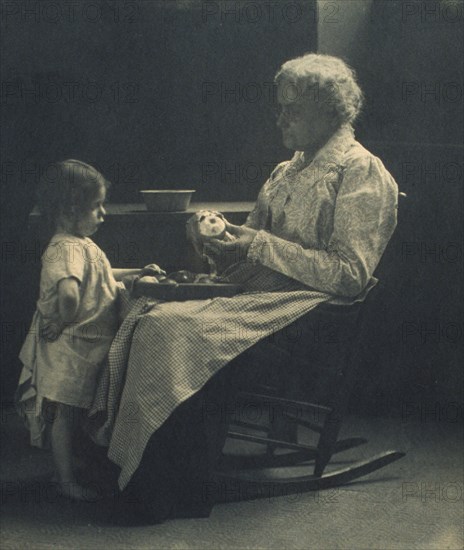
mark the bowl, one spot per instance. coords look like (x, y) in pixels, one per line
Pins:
(167, 200)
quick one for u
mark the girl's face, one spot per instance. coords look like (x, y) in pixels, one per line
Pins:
(88, 222)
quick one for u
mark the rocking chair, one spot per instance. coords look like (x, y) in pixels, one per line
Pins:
(330, 373)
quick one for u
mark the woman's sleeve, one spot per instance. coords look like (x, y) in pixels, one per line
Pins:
(364, 220)
(258, 217)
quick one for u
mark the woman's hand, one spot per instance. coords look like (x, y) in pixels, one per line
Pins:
(231, 252)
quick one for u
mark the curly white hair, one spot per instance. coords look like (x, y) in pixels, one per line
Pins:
(328, 78)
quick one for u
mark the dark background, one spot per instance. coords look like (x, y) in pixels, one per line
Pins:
(123, 85)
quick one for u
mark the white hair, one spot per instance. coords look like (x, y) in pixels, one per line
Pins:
(327, 76)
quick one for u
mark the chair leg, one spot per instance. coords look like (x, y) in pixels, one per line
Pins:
(333, 422)
(327, 443)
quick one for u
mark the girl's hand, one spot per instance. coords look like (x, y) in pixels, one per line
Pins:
(232, 251)
(152, 269)
(51, 330)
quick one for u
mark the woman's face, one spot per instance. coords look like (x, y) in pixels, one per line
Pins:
(306, 120)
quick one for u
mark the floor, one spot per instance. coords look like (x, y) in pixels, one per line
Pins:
(415, 503)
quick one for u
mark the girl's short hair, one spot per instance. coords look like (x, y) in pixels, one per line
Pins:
(326, 78)
(67, 188)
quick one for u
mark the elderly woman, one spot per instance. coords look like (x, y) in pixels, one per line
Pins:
(316, 234)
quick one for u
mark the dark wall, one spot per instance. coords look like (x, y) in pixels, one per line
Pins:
(154, 93)
(408, 56)
(163, 96)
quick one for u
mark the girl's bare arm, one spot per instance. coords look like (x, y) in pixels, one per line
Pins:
(120, 273)
(68, 305)
(68, 299)
(150, 269)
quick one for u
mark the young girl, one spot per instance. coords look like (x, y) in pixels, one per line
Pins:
(76, 317)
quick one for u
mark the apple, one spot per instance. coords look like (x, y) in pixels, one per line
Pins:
(182, 276)
(204, 279)
(167, 281)
(148, 279)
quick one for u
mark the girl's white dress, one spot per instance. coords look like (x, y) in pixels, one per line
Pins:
(66, 369)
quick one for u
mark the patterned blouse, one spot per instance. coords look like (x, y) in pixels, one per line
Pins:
(326, 223)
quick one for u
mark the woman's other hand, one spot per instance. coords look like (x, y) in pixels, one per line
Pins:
(230, 252)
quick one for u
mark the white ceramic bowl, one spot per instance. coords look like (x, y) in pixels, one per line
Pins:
(167, 200)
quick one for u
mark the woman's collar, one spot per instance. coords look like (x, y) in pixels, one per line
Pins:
(333, 151)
